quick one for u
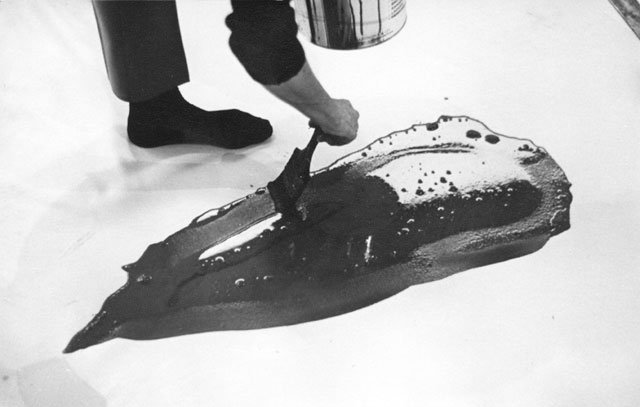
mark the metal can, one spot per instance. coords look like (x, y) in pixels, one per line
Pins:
(350, 24)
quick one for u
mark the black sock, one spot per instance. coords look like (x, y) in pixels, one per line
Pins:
(169, 119)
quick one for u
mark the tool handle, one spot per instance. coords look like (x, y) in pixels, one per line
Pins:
(287, 188)
(328, 138)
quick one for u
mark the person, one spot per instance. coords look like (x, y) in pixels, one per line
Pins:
(146, 63)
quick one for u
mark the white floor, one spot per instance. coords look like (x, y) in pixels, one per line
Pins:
(560, 327)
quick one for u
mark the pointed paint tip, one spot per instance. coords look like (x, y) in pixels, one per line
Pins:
(83, 340)
(100, 329)
(75, 344)
(69, 349)
(128, 267)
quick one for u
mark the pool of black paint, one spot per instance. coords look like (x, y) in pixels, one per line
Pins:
(349, 226)
(331, 246)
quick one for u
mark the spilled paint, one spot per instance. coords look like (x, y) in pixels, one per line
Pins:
(236, 241)
(414, 206)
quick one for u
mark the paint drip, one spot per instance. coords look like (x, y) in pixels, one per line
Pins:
(350, 24)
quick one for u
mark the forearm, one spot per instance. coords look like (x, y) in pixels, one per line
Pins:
(305, 93)
(263, 37)
(336, 117)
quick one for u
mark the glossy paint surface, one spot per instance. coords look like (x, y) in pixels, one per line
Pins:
(353, 237)
(558, 326)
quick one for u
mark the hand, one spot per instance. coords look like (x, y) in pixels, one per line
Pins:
(335, 117)
(338, 120)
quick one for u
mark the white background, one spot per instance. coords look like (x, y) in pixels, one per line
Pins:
(559, 327)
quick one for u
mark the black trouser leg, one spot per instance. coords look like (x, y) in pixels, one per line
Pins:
(142, 47)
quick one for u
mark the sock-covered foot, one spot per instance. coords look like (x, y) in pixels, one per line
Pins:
(169, 119)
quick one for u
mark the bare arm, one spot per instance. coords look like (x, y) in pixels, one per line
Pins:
(336, 117)
(263, 38)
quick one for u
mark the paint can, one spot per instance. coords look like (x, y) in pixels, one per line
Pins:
(350, 24)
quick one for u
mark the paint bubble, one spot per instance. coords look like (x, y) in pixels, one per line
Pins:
(143, 278)
(472, 134)
(491, 139)
(241, 282)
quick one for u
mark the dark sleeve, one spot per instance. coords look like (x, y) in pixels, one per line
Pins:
(263, 38)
